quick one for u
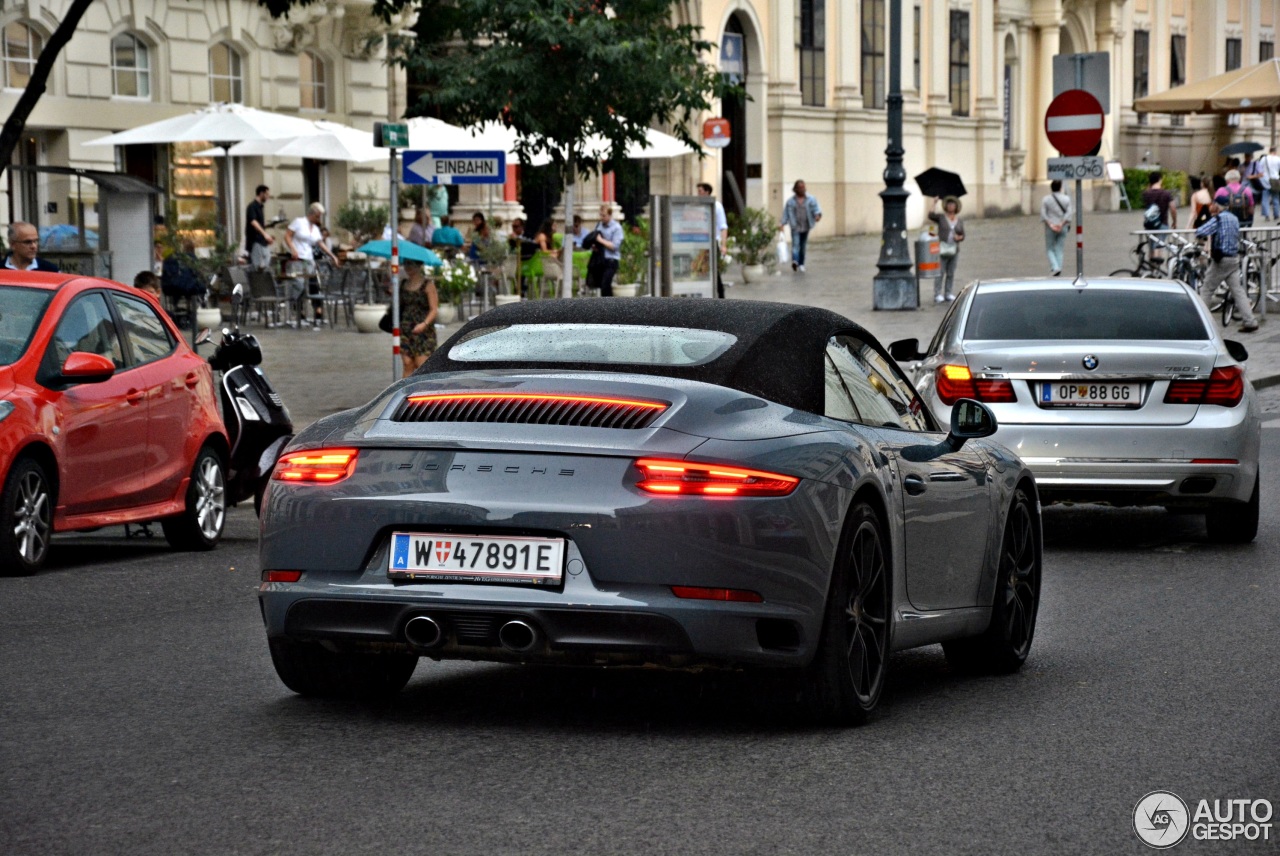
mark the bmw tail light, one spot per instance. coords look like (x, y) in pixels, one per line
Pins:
(323, 466)
(687, 479)
(957, 382)
(1224, 387)
(725, 594)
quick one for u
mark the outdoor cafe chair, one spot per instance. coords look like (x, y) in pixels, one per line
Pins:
(265, 296)
(336, 292)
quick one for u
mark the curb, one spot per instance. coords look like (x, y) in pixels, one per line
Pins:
(1265, 382)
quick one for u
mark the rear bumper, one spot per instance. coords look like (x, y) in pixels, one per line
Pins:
(1213, 458)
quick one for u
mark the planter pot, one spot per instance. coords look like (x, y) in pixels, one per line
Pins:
(368, 315)
(504, 299)
(446, 313)
(626, 289)
(753, 273)
(209, 316)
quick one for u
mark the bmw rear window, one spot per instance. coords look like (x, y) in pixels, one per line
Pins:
(20, 312)
(1086, 313)
(604, 344)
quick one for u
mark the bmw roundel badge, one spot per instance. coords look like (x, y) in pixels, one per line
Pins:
(1090, 362)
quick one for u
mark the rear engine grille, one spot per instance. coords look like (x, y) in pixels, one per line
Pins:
(474, 630)
(530, 408)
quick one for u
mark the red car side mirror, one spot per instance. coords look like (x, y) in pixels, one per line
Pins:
(83, 367)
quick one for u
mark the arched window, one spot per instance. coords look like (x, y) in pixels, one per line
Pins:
(226, 85)
(22, 46)
(313, 81)
(130, 66)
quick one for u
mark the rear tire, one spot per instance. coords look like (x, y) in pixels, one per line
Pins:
(842, 685)
(1125, 272)
(1235, 523)
(199, 526)
(309, 669)
(26, 519)
(1004, 646)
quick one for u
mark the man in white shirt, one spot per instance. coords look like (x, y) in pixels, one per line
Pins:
(1269, 175)
(722, 234)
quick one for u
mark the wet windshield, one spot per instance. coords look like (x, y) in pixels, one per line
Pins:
(593, 343)
(20, 311)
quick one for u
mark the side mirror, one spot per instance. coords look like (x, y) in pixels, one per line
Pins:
(1236, 350)
(84, 367)
(970, 420)
(906, 350)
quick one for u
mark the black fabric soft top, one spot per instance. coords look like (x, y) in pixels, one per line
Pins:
(778, 354)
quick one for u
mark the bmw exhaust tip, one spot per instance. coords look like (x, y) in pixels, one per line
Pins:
(518, 636)
(423, 632)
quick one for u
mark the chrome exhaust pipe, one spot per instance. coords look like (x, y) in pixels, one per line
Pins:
(423, 632)
(518, 636)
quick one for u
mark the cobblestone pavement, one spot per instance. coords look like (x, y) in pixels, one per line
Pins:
(323, 372)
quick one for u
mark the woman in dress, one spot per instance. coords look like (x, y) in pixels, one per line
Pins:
(950, 234)
(419, 304)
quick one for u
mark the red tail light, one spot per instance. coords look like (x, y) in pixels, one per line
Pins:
(680, 477)
(1224, 387)
(326, 466)
(281, 576)
(957, 382)
(727, 594)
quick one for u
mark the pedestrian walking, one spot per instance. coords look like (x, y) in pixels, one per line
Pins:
(607, 252)
(802, 214)
(722, 234)
(419, 305)
(1223, 230)
(1200, 201)
(256, 238)
(950, 235)
(1055, 213)
(1269, 174)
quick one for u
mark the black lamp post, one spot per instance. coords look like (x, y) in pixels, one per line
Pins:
(894, 287)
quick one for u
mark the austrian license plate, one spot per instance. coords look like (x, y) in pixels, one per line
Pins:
(1093, 394)
(435, 556)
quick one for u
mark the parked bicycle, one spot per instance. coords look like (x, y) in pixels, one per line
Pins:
(1149, 261)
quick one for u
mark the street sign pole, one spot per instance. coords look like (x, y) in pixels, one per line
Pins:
(395, 269)
(1074, 123)
(1080, 192)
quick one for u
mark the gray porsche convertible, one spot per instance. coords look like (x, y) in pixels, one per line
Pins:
(680, 483)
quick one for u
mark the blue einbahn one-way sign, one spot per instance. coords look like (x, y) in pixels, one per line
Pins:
(432, 167)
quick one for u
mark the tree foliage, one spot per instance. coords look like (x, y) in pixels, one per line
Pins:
(557, 71)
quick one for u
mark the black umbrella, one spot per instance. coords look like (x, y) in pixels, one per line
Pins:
(1242, 148)
(939, 182)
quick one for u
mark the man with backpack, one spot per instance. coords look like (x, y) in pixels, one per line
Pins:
(1159, 209)
(1239, 198)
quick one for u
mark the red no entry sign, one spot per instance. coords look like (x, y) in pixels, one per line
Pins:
(1074, 123)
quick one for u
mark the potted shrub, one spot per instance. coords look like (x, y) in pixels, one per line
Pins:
(454, 281)
(754, 234)
(363, 217)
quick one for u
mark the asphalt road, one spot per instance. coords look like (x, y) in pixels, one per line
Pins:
(139, 714)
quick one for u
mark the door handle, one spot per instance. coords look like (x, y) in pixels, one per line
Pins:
(192, 380)
(134, 396)
(914, 485)
(948, 477)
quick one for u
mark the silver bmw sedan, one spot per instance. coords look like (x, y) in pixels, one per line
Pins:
(1118, 391)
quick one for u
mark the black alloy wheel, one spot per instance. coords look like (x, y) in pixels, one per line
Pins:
(846, 678)
(26, 519)
(1005, 644)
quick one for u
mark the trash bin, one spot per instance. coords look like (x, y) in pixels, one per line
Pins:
(928, 258)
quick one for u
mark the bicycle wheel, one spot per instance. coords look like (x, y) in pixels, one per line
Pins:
(1124, 272)
(1228, 306)
(1253, 284)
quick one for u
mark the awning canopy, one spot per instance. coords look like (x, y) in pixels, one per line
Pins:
(113, 181)
(1255, 89)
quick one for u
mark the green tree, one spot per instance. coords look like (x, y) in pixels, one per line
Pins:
(557, 71)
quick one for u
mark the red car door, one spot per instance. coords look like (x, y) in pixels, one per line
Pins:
(172, 376)
(101, 427)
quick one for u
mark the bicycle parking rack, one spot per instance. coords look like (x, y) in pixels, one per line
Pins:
(1267, 239)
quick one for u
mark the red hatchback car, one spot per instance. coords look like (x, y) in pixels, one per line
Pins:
(107, 416)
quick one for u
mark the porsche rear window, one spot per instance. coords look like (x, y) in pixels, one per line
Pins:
(604, 344)
(20, 311)
(1101, 314)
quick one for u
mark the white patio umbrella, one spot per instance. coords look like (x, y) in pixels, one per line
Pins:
(657, 145)
(332, 141)
(426, 133)
(224, 125)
